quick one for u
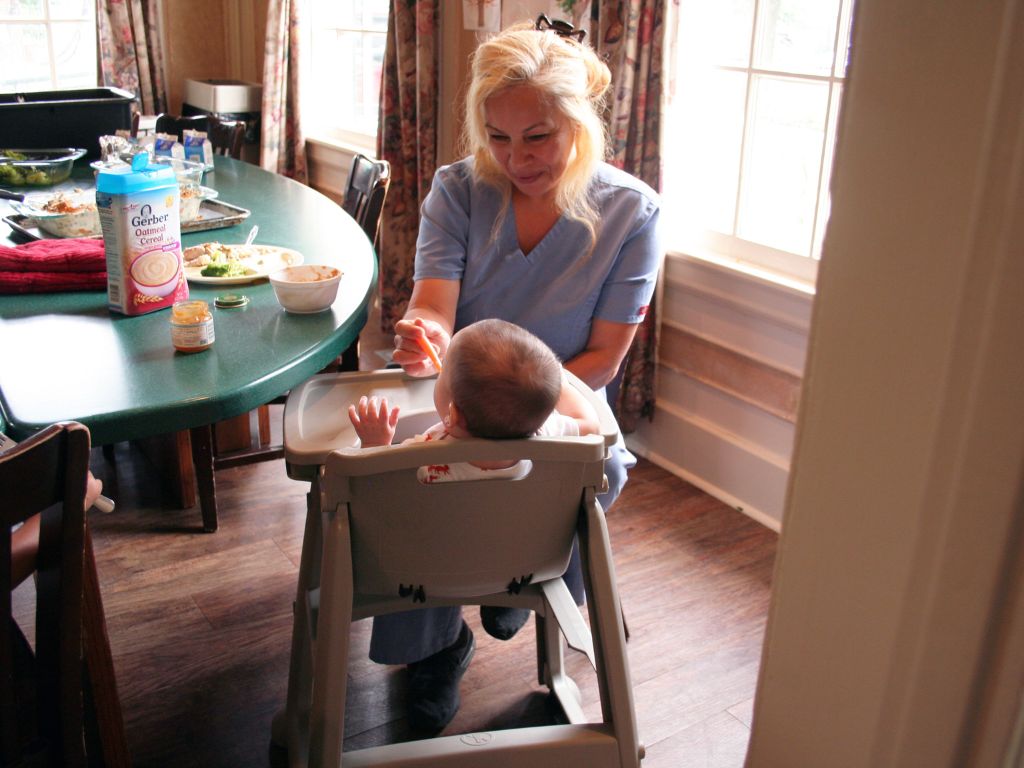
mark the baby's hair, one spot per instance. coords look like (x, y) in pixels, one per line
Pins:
(503, 379)
(570, 78)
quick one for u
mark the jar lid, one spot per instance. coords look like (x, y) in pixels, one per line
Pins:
(231, 300)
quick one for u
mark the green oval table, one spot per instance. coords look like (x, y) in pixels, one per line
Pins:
(65, 356)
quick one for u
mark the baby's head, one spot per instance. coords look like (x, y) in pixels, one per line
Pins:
(502, 380)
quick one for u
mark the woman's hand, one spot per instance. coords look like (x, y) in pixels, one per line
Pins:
(430, 316)
(408, 352)
(373, 422)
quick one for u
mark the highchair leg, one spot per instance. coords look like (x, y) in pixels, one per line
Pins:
(551, 658)
(608, 634)
(561, 618)
(330, 654)
(290, 727)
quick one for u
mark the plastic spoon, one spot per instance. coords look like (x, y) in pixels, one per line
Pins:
(428, 349)
(252, 234)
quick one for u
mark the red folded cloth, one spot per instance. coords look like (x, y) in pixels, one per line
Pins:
(45, 266)
(73, 254)
(48, 282)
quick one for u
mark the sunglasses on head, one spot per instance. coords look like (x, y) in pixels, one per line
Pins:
(560, 28)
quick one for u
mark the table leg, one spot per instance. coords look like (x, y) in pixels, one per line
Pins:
(202, 458)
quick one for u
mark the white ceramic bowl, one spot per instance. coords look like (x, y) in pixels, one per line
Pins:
(307, 288)
(63, 214)
(190, 200)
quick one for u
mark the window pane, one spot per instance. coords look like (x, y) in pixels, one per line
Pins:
(25, 56)
(71, 9)
(716, 31)
(74, 51)
(780, 181)
(355, 14)
(22, 9)
(796, 35)
(347, 66)
(824, 197)
(702, 154)
(843, 54)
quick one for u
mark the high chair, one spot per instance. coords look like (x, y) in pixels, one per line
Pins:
(378, 541)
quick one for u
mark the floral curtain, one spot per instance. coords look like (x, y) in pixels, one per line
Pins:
(282, 146)
(631, 39)
(407, 139)
(130, 54)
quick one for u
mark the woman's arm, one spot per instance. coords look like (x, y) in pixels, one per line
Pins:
(606, 347)
(573, 404)
(433, 304)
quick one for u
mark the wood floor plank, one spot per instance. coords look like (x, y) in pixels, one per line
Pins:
(717, 742)
(200, 624)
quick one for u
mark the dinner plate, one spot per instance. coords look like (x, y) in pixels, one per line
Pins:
(261, 259)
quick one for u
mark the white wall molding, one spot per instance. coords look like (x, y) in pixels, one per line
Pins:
(734, 470)
(756, 298)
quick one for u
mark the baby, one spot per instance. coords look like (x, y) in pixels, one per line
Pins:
(499, 381)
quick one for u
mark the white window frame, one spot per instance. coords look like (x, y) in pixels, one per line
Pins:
(729, 249)
(333, 136)
(51, 55)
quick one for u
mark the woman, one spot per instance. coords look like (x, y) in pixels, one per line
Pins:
(533, 228)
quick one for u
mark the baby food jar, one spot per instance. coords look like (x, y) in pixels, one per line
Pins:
(191, 326)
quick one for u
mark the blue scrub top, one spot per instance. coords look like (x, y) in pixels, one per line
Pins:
(558, 288)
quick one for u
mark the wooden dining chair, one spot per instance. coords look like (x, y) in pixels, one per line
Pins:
(365, 193)
(59, 703)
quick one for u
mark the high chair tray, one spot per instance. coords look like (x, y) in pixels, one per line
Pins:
(316, 413)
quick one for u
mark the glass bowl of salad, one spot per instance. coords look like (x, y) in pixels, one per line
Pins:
(36, 167)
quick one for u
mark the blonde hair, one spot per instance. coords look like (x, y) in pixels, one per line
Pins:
(571, 79)
(503, 379)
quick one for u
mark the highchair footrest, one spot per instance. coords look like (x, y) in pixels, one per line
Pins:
(569, 618)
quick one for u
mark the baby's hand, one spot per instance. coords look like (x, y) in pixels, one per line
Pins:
(374, 424)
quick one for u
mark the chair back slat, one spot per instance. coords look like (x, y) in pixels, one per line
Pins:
(365, 192)
(47, 474)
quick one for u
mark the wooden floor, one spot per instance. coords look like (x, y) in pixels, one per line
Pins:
(200, 623)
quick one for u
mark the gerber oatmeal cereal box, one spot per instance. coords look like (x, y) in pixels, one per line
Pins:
(138, 208)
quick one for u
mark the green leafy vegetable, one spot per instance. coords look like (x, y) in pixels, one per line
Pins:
(224, 269)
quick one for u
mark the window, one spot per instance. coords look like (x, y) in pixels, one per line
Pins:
(750, 128)
(47, 44)
(345, 59)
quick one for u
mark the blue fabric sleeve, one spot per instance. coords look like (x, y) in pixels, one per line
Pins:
(626, 293)
(443, 238)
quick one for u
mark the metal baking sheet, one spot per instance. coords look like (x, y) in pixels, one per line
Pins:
(216, 214)
(23, 229)
(213, 214)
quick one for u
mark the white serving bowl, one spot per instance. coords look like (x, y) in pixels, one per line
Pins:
(190, 200)
(74, 213)
(307, 288)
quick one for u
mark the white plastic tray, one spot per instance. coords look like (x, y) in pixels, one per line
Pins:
(316, 413)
